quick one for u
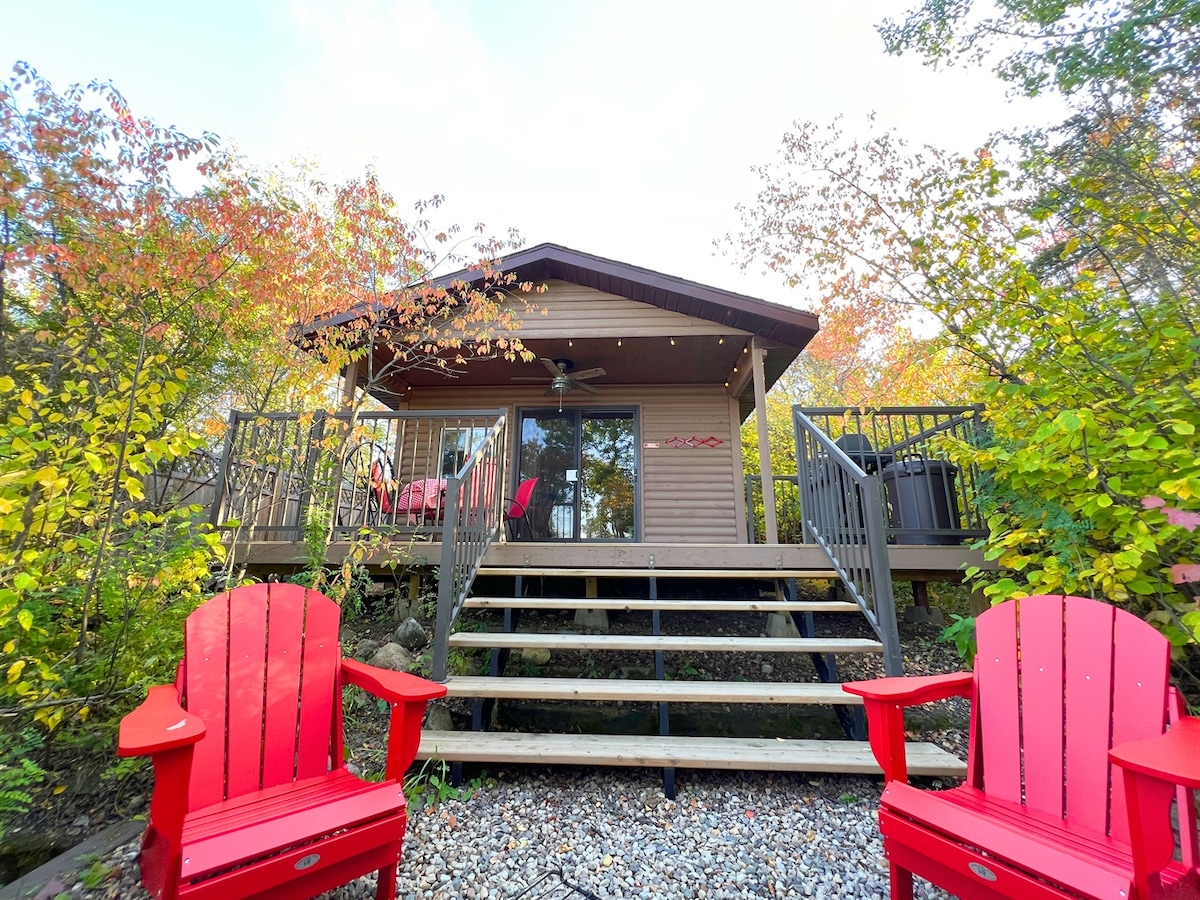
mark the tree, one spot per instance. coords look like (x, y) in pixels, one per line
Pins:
(129, 309)
(1067, 283)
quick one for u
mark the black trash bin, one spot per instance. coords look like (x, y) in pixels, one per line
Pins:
(920, 495)
(858, 448)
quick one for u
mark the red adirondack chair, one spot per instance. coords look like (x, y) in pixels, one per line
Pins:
(252, 797)
(1048, 810)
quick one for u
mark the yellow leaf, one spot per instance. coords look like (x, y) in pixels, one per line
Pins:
(58, 789)
(7, 384)
(10, 646)
(46, 476)
(15, 670)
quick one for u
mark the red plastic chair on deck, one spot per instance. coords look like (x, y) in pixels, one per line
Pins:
(517, 513)
(252, 797)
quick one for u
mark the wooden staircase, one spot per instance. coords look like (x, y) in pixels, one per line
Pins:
(666, 750)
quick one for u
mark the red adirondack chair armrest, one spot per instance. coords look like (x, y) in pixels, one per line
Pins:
(407, 695)
(1173, 757)
(885, 700)
(158, 724)
(1153, 770)
(165, 731)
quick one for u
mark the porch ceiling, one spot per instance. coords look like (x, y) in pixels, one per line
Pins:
(703, 359)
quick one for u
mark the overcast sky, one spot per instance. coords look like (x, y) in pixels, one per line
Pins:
(625, 129)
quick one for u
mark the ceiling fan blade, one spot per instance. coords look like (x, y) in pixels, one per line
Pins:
(597, 372)
(584, 387)
(551, 367)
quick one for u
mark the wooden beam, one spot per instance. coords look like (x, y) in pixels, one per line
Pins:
(738, 380)
(770, 526)
(349, 383)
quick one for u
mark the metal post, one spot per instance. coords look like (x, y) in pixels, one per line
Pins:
(446, 582)
(315, 434)
(881, 577)
(214, 515)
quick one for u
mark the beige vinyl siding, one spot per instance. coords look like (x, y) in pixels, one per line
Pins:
(687, 494)
(582, 312)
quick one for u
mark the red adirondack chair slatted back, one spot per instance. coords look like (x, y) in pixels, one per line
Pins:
(261, 669)
(1060, 681)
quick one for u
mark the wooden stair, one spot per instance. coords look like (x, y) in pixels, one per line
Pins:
(665, 750)
(683, 643)
(777, 755)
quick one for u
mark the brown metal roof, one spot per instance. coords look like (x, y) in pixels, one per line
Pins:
(781, 324)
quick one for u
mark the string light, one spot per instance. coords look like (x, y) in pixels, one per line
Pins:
(672, 342)
(727, 384)
(735, 370)
(619, 342)
(745, 349)
(720, 340)
(570, 343)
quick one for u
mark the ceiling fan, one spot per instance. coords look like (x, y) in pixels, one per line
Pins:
(563, 379)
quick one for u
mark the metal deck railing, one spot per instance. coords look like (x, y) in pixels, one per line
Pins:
(436, 473)
(870, 477)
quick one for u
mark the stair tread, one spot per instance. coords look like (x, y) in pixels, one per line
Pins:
(695, 643)
(648, 690)
(622, 572)
(683, 752)
(673, 605)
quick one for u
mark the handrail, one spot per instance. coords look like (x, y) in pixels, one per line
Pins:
(842, 512)
(274, 465)
(470, 523)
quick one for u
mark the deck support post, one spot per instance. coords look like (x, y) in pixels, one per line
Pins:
(664, 708)
(349, 383)
(770, 526)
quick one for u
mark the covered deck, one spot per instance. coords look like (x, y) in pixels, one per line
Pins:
(389, 473)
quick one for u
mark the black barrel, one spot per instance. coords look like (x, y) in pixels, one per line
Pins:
(920, 496)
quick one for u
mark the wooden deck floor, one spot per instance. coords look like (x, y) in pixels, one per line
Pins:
(909, 563)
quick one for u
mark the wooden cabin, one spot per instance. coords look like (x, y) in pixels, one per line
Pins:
(629, 421)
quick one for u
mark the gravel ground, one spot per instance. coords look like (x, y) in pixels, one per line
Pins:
(614, 834)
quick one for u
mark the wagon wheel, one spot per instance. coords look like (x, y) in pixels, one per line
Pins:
(358, 502)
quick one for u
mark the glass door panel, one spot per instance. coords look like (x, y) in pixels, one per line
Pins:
(586, 463)
(608, 473)
(549, 446)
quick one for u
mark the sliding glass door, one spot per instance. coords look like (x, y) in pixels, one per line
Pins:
(586, 463)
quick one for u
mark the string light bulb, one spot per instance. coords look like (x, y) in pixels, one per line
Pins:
(570, 342)
(672, 342)
(619, 342)
(735, 370)
(720, 340)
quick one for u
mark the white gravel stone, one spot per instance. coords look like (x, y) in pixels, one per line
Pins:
(614, 833)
